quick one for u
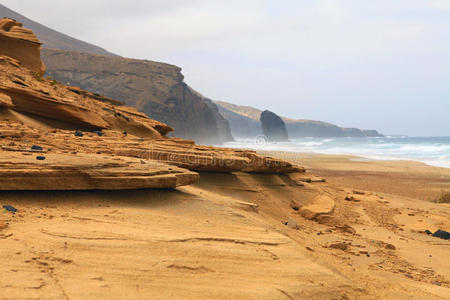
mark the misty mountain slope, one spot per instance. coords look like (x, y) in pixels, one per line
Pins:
(241, 126)
(243, 120)
(52, 38)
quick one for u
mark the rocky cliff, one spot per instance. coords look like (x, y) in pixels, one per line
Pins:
(308, 128)
(241, 126)
(223, 127)
(244, 123)
(54, 136)
(157, 89)
(273, 127)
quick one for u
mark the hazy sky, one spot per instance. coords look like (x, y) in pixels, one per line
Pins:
(371, 64)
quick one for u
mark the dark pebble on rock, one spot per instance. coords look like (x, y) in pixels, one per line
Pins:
(442, 234)
(40, 157)
(10, 208)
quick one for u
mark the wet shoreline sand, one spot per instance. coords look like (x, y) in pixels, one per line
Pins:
(405, 178)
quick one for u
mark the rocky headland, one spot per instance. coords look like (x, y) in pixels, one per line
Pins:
(273, 127)
(244, 123)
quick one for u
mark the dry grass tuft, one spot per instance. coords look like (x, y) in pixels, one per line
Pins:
(444, 198)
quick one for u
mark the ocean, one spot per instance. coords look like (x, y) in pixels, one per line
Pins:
(433, 151)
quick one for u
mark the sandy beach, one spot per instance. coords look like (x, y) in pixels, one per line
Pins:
(236, 236)
(406, 178)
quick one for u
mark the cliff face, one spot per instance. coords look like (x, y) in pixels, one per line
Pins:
(273, 127)
(241, 126)
(244, 123)
(307, 128)
(154, 88)
(223, 127)
(58, 137)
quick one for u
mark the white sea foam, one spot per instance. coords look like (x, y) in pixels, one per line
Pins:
(430, 150)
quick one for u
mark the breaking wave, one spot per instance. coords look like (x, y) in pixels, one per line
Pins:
(430, 150)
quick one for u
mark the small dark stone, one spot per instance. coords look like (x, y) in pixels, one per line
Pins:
(78, 133)
(98, 132)
(35, 147)
(10, 208)
(294, 205)
(442, 234)
(40, 157)
(428, 232)
(341, 246)
(389, 246)
(125, 133)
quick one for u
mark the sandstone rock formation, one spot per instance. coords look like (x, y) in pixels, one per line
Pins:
(112, 143)
(273, 127)
(54, 136)
(244, 123)
(21, 44)
(70, 107)
(86, 171)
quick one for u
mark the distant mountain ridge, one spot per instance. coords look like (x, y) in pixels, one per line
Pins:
(52, 38)
(244, 123)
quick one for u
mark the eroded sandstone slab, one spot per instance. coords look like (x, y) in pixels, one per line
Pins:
(52, 171)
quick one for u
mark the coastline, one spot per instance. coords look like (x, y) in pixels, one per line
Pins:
(432, 151)
(407, 178)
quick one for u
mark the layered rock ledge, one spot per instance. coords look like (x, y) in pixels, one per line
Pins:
(87, 171)
(61, 137)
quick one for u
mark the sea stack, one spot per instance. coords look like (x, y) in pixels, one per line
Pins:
(273, 127)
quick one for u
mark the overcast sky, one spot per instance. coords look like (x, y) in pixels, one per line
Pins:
(371, 64)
